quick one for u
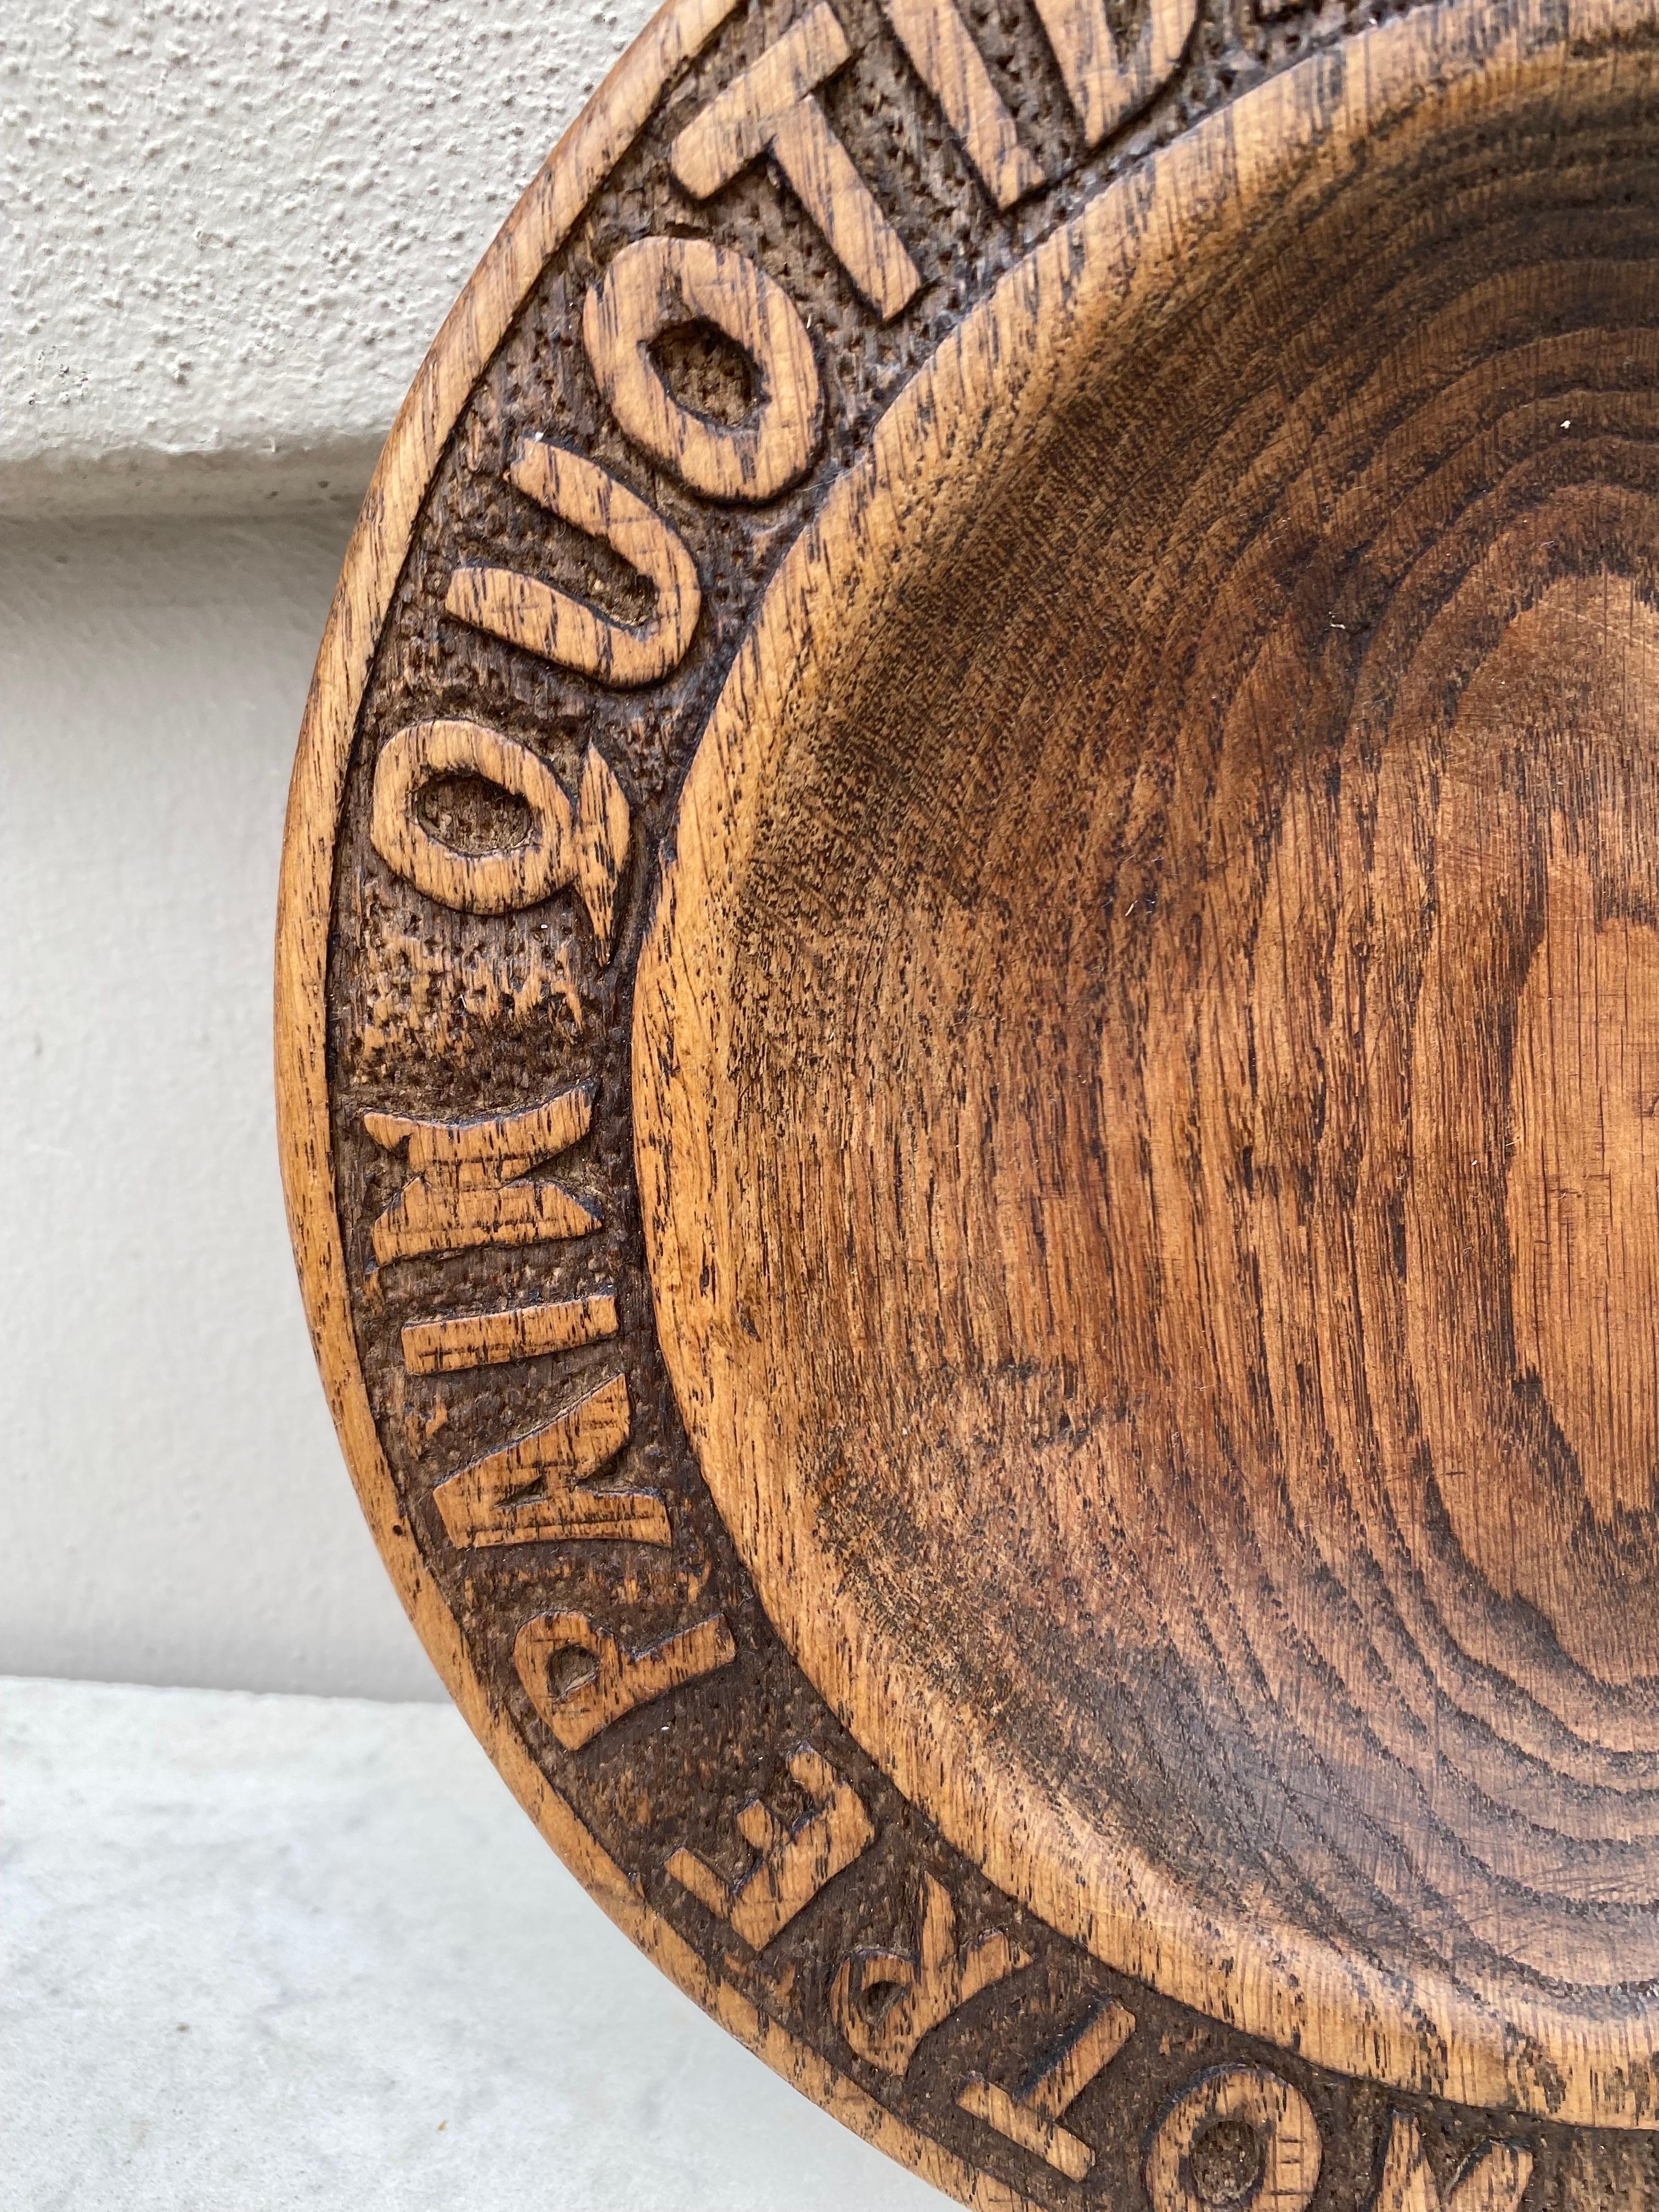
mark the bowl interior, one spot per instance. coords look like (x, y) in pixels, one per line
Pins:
(1158, 1238)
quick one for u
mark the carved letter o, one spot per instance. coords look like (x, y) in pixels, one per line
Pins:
(661, 284)
(482, 883)
(1284, 2124)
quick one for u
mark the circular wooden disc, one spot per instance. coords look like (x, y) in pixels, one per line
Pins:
(969, 1032)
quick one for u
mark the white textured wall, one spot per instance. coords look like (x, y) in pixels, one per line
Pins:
(281, 1955)
(229, 228)
(173, 1506)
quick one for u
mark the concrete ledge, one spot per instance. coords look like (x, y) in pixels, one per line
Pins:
(269, 1953)
(71, 486)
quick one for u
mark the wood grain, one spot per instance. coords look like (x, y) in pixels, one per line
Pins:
(491, 1339)
(1153, 1212)
(772, 108)
(561, 628)
(1032, 2117)
(664, 284)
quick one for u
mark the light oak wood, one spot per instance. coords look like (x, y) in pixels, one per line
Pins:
(491, 1339)
(967, 1017)
(565, 630)
(662, 284)
(772, 108)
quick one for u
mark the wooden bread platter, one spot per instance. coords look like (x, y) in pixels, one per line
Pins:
(968, 1038)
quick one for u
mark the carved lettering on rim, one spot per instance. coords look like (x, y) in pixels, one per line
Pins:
(469, 1182)
(1288, 2149)
(1031, 2115)
(871, 523)
(534, 1490)
(558, 627)
(585, 845)
(491, 1339)
(791, 1865)
(886, 2002)
(1105, 82)
(945, 58)
(661, 284)
(1494, 2180)
(771, 109)
(618, 1682)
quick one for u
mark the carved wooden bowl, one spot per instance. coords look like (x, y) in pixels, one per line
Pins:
(1075, 1550)
(1154, 1197)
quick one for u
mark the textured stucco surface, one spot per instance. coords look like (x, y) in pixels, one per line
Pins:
(263, 1954)
(231, 228)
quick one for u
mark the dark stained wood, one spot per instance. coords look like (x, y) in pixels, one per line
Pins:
(1153, 1202)
(969, 1054)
